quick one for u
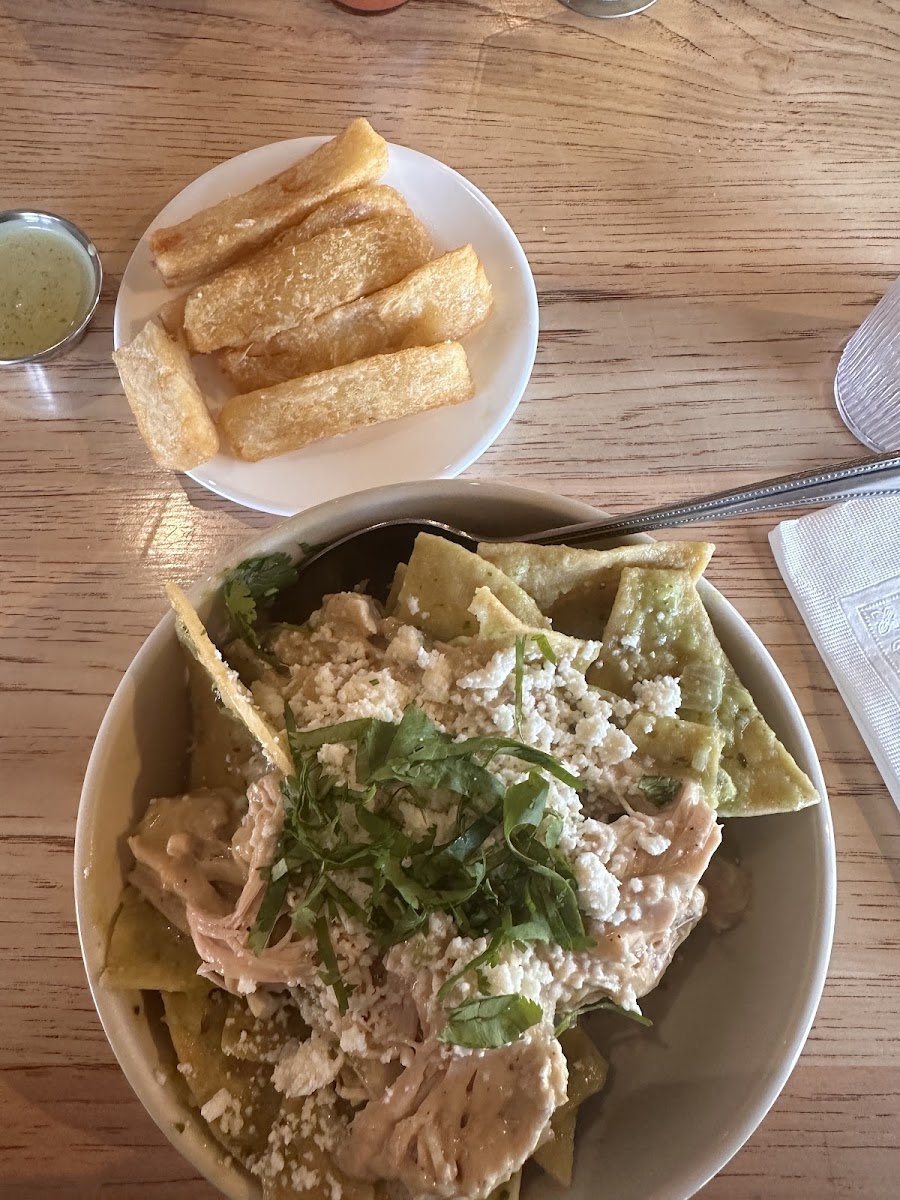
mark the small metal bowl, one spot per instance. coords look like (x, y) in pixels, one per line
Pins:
(56, 224)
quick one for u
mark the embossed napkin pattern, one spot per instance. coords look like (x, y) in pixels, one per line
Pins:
(842, 568)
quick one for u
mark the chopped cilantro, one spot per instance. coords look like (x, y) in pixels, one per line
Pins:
(500, 876)
(269, 912)
(251, 587)
(519, 681)
(660, 789)
(543, 644)
(331, 976)
(605, 1005)
(489, 1022)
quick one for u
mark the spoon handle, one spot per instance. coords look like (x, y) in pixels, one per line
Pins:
(803, 489)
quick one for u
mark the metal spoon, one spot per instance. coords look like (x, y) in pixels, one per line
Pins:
(372, 554)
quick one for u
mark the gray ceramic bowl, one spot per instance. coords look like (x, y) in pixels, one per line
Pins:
(733, 1012)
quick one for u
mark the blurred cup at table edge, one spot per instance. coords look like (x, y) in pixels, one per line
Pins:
(608, 8)
(365, 8)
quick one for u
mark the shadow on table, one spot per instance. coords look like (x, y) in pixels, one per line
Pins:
(201, 498)
(79, 1132)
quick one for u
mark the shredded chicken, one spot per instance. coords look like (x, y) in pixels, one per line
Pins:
(459, 1124)
(221, 941)
(186, 848)
(183, 853)
(661, 901)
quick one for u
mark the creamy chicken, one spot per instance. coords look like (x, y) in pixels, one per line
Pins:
(456, 1125)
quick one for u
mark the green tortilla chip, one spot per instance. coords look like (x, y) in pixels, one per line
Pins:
(658, 626)
(497, 624)
(680, 749)
(259, 1039)
(765, 777)
(195, 1022)
(147, 953)
(440, 581)
(220, 744)
(233, 694)
(576, 588)
(587, 1076)
(396, 584)
(295, 1146)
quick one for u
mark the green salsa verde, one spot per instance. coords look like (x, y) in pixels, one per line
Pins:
(46, 285)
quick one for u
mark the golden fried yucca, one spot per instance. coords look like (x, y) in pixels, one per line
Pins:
(441, 301)
(168, 406)
(294, 414)
(348, 208)
(171, 316)
(294, 282)
(219, 236)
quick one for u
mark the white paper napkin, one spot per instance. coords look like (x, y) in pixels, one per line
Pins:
(842, 568)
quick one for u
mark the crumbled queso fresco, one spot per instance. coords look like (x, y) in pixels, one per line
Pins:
(357, 664)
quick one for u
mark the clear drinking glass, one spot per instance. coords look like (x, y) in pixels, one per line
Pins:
(608, 8)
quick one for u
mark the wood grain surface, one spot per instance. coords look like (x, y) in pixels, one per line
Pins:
(708, 197)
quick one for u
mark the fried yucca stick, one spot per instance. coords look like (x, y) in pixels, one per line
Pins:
(441, 301)
(167, 404)
(218, 236)
(294, 414)
(293, 282)
(345, 209)
(171, 316)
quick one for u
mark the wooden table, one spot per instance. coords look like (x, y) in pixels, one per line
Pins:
(708, 197)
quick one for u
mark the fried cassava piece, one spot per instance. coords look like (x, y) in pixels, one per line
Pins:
(298, 278)
(441, 301)
(348, 208)
(294, 414)
(219, 236)
(168, 406)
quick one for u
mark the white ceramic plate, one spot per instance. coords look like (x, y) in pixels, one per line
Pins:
(436, 444)
(732, 1013)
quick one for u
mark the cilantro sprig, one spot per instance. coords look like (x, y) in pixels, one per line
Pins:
(605, 1005)
(250, 588)
(489, 1022)
(543, 644)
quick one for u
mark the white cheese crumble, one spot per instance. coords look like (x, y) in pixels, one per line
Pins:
(304, 1067)
(660, 696)
(491, 677)
(653, 843)
(224, 1109)
(598, 888)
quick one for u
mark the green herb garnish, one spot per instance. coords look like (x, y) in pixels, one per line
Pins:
(250, 588)
(543, 644)
(660, 789)
(331, 976)
(606, 1005)
(519, 681)
(489, 1022)
(500, 876)
(268, 914)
